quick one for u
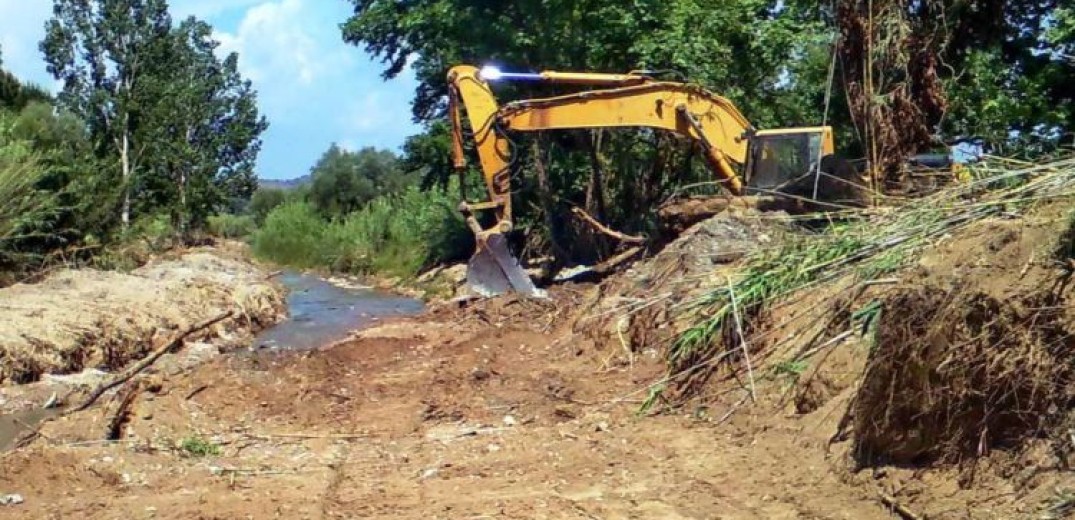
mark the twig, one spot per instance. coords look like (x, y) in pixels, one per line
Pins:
(604, 229)
(614, 262)
(733, 409)
(897, 507)
(834, 341)
(333, 436)
(147, 362)
(742, 339)
(190, 395)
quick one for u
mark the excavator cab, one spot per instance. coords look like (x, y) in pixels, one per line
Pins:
(780, 158)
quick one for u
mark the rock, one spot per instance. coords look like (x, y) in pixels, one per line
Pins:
(11, 500)
(602, 426)
(510, 421)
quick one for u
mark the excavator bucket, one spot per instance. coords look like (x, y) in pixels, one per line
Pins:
(493, 270)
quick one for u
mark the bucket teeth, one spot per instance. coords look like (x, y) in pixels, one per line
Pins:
(493, 270)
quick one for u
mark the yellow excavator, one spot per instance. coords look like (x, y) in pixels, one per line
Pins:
(744, 160)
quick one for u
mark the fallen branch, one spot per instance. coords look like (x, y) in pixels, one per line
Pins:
(332, 436)
(190, 395)
(147, 362)
(123, 411)
(896, 507)
(614, 262)
(605, 229)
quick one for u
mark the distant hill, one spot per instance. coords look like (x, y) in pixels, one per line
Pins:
(276, 184)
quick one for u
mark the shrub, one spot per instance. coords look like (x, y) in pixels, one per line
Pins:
(400, 235)
(292, 236)
(232, 226)
(395, 235)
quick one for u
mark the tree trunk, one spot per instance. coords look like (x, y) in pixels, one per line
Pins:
(548, 208)
(595, 188)
(125, 164)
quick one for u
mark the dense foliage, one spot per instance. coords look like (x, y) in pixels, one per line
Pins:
(151, 134)
(344, 181)
(179, 123)
(396, 234)
(906, 77)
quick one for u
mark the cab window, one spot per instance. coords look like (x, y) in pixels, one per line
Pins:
(778, 160)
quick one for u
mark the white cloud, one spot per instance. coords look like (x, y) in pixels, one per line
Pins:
(206, 9)
(22, 27)
(313, 88)
(275, 43)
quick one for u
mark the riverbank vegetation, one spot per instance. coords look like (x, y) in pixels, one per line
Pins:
(361, 213)
(150, 134)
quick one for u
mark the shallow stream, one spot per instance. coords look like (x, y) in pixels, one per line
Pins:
(322, 313)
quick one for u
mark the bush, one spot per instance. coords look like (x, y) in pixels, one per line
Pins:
(400, 235)
(232, 226)
(264, 201)
(395, 235)
(292, 235)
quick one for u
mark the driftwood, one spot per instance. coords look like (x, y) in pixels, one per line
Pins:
(612, 263)
(147, 362)
(605, 229)
(899, 509)
(123, 412)
(681, 215)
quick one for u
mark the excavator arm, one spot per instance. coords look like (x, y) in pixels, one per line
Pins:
(633, 101)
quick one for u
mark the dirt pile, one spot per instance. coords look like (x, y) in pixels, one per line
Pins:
(975, 354)
(637, 309)
(80, 319)
(955, 375)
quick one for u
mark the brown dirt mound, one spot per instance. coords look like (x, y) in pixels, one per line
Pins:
(954, 374)
(635, 311)
(83, 318)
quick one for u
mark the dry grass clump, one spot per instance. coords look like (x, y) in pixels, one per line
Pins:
(955, 374)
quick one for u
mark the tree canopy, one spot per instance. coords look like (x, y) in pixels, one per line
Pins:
(181, 123)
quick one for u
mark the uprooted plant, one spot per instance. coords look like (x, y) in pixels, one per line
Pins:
(866, 247)
(957, 373)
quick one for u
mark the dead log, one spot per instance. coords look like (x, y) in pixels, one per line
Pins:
(122, 415)
(147, 362)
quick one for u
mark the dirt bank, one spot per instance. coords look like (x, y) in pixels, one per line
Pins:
(86, 319)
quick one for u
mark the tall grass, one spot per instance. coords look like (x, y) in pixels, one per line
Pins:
(394, 235)
(23, 208)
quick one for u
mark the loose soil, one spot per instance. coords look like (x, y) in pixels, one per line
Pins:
(509, 408)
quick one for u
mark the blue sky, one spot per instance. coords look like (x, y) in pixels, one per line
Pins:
(313, 88)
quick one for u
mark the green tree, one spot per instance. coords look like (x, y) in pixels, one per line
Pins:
(14, 94)
(205, 128)
(181, 124)
(102, 51)
(344, 181)
(264, 201)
